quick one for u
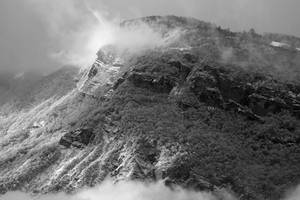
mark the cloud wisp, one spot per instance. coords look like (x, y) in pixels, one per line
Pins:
(82, 29)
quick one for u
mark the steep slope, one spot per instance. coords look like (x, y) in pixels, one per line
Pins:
(24, 97)
(208, 109)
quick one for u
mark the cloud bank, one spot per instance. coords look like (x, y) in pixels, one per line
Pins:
(132, 190)
(123, 191)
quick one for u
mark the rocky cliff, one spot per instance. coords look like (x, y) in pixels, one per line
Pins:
(208, 110)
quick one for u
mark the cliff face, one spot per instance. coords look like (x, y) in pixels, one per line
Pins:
(209, 110)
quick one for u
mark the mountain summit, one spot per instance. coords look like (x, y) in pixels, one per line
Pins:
(204, 108)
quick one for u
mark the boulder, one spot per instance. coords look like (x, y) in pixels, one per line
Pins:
(78, 138)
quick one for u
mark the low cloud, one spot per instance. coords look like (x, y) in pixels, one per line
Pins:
(125, 191)
(132, 190)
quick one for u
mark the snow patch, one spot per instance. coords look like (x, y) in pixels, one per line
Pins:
(40, 124)
(279, 44)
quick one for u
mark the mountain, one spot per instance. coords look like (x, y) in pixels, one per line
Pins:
(207, 109)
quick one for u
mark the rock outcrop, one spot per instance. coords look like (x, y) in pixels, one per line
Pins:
(79, 138)
(217, 86)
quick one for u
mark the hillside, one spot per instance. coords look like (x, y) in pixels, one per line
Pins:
(208, 109)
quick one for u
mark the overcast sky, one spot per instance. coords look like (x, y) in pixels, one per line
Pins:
(32, 30)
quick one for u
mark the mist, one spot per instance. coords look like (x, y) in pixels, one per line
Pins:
(126, 191)
(80, 31)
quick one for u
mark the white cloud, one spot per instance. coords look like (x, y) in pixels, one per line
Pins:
(125, 191)
(81, 29)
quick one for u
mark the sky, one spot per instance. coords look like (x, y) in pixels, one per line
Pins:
(36, 33)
